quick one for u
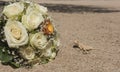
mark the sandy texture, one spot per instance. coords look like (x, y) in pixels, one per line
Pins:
(99, 29)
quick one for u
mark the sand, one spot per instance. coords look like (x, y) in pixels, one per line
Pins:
(97, 27)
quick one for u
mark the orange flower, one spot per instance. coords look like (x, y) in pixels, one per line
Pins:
(48, 29)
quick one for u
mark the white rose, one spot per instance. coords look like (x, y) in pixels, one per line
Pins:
(56, 41)
(32, 20)
(13, 10)
(38, 40)
(53, 55)
(15, 34)
(27, 53)
(36, 7)
(48, 53)
(42, 9)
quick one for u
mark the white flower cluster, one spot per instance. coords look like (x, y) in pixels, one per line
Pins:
(30, 30)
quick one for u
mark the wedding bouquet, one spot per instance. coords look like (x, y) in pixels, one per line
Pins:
(27, 35)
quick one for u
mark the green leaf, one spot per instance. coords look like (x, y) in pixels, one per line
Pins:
(33, 32)
(7, 59)
(44, 60)
(13, 64)
(4, 56)
(0, 54)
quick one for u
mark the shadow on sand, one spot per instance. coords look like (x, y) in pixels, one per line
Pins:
(63, 8)
(78, 8)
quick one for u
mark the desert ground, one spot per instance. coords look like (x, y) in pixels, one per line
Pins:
(95, 23)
